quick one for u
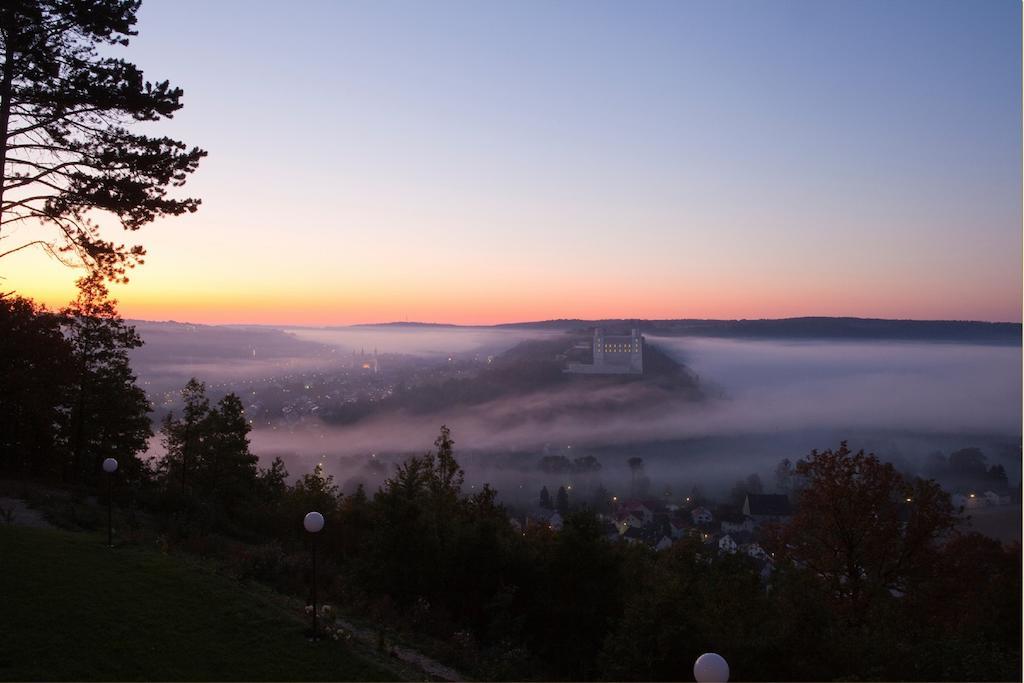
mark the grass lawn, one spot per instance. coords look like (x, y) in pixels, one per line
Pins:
(72, 609)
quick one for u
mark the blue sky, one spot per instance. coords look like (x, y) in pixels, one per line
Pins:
(484, 161)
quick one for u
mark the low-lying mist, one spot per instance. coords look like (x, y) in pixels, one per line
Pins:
(417, 340)
(766, 400)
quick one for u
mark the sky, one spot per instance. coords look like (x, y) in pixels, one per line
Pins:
(476, 163)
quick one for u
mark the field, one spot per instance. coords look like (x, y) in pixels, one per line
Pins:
(74, 609)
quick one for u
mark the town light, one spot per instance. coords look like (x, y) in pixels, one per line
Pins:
(110, 466)
(711, 668)
(313, 522)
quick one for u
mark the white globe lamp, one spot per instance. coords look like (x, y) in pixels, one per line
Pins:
(313, 522)
(110, 466)
(711, 668)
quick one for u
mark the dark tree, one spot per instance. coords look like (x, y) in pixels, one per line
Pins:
(545, 498)
(183, 438)
(446, 476)
(968, 462)
(601, 499)
(108, 411)
(315, 491)
(272, 482)
(636, 471)
(35, 367)
(66, 147)
(562, 501)
(227, 469)
(997, 475)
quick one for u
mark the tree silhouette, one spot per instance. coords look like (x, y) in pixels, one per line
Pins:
(35, 372)
(183, 438)
(65, 147)
(562, 501)
(545, 498)
(446, 475)
(227, 470)
(108, 411)
(636, 470)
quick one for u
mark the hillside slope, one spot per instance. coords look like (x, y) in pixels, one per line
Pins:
(74, 609)
(535, 369)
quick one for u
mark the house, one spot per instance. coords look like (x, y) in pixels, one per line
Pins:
(539, 517)
(767, 507)
(701, 515)
(755, 551)
(993, 498)
(664, 544)
(633, 535)
(642, 510)
(726, 544)
(736, 523)
(678, 527)
(626, 520)
(517, 526)
(555, 522)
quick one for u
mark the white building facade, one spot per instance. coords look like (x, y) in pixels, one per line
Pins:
(620, 354)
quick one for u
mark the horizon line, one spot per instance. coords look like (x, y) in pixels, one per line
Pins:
(422, 323)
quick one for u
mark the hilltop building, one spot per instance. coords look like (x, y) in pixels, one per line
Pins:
(614, 355)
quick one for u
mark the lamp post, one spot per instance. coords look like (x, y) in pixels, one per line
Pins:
(711, 668)
(313, 523)
(110, 466)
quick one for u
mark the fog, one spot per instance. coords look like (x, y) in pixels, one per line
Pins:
(926, 388)
(766, 400)
(417, 340)
(226, 355)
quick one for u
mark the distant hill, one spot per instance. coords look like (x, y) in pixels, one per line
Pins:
(809, 328)
(534, 368)
(964, 331)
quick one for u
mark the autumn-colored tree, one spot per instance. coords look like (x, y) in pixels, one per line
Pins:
(861, 527)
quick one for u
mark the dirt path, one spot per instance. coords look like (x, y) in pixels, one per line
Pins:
(433, 668)
(21, 514)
